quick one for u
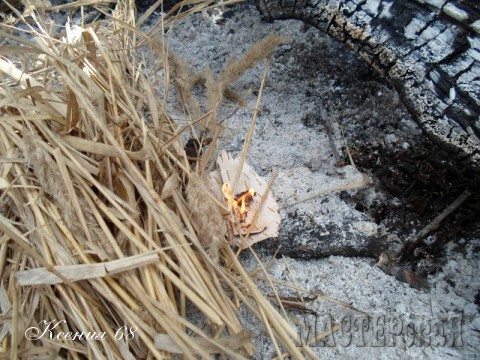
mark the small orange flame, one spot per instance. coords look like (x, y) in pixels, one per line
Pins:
(240, 201)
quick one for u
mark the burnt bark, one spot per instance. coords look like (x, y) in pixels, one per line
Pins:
(428, 49)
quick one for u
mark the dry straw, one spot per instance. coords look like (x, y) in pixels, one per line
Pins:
(105, 224)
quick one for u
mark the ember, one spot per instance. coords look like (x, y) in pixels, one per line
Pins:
(240, 201)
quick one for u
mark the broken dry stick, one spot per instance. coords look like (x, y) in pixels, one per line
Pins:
(42, 276)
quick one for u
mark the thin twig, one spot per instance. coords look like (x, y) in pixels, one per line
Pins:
(434, 224)
(328, 129)
(349, 186)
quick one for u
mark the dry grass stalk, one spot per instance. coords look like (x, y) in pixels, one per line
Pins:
(236, 68)
(93, 174)
(259, 51)
(165, 342)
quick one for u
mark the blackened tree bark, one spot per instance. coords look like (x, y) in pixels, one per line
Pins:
(428, 49)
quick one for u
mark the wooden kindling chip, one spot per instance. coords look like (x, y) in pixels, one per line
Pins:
(261, 219)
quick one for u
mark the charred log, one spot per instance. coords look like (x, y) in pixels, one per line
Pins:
(428, 49)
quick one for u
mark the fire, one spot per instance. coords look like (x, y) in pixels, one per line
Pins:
(240, 201)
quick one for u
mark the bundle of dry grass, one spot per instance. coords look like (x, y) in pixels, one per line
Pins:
(107, 233)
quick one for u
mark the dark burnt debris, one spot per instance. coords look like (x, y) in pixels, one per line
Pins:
(426, 180)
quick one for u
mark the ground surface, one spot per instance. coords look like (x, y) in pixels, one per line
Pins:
(330, 244)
